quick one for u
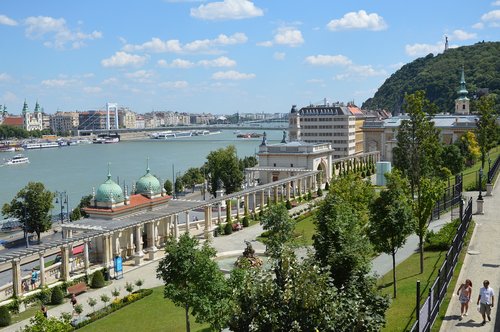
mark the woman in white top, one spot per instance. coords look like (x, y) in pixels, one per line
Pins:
(464, 293)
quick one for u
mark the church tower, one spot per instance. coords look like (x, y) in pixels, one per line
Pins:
(462, 102)
(294, 125)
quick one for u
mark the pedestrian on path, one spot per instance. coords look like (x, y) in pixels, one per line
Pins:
(44, 311)
(464, 293)
(486, 301)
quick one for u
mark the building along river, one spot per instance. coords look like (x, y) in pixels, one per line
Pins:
(76, 169)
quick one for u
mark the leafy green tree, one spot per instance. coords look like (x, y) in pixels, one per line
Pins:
(279, 227)
(193, 281)
(179, 185)
(5, 317)
(469, 147)
(453, 159)
(192, 177)
(486, 126)
(339, 241)
(31, 206)
(247, 162)
(75, 214)
(223, 168)
(41, 324)
(168, 187)
(92, 303)
(79, 211)
(105, 299)
(139, 283)
(392, 219)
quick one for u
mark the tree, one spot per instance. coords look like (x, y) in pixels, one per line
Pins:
(223, 168)
(339, 241)
(453, 159)
(31, 206)
(92, 303)
(139, 283)
(179, 185)
(168, 187)
(193, 281)
(279, 227)
(129, 287)
(486, 129)
(41, 324)
(79, 211)
(105, 299)
(115, 292)
(192, 177)
(469, 147)
(392, 219)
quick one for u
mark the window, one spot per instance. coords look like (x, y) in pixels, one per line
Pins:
(291, 165)
(274, 164)
(463, 106)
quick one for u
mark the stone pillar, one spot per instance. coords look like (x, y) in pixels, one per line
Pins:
(288, 189)
(176, 226)
(237, 208)
(65, 263)
(262, 200)
(269, 196)
(16, 277)
(275, 194)
(489, 188)
(138, 246)
(299, 185)
(219, 220)
(152, 250)
(86, 260)
(42, 268)
(254, 202)
(246, 205)
(187, 222)
(208, 209)
(480, 206)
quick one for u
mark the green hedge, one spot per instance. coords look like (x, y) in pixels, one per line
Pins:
(5, 318)
(114, 307)
(441, 240)
(97, 280)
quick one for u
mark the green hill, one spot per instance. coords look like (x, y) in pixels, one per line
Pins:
(439, 77)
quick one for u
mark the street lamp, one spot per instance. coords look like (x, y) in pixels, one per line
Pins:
(489, 168)
(480, 197)
(62, 200)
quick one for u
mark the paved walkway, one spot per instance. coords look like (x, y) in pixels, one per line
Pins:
(482, 261)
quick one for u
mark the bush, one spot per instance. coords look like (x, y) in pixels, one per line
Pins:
(57, 295)
(45, 295)
(228, 229)
(441, 240)
(246, 223)
(319, 192)
(220, 229)
(97, 280)
(288, 205)
(5, 318)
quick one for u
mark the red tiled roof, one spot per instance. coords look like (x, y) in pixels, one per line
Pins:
(355, 110)
(13, 121)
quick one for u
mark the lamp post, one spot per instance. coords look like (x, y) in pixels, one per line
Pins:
(480, 197)
(489, 168)
(62, 200)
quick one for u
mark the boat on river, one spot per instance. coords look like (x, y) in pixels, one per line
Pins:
(7, 149)
(40, 145)
(172, 134)
(17, 159)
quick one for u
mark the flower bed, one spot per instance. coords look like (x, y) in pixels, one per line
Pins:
(114, 306)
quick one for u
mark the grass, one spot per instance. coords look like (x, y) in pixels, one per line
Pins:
(306, 229)
(29, 312)
(153, 313)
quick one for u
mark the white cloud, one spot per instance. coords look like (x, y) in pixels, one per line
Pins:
(111, 80)
(58, 82)
(55, 32)
(227, 10)
(496, 3)
(122, 59)
(279, 55)
(156, 45)
(289, 36)
(266, 43)
(92, 89)
(358, 20)
(181, 63)
(492, 18)
(4, 77)
(218, 62)
(9, 97)
(365, 71)
(462, 35)
(174, 84)
(328, 60)
(478, 25)
(4, 20)
(231, 75)
(141, 76)
(424, 49)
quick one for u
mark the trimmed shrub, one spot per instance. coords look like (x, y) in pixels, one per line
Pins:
(228, 229)
(97, 280)
(57, 296)
(288, 205)
(45, 295)
(319, 192)
(309, 195)
(246, 223)
(5, 317)
(441, 240)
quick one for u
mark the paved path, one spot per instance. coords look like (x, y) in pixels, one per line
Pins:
(482, 261)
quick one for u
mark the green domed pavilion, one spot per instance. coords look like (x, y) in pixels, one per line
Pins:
(109, 192)
(148, 184)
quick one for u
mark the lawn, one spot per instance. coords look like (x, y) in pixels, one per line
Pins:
(153, 313)
(305, 229)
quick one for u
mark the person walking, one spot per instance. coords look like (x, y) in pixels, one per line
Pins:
(44, 311)
(464, 293)
(486, 301)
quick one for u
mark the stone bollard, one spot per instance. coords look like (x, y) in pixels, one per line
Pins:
(489, 188)
(480, 203)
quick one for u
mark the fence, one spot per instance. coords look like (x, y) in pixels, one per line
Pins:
(493, 170)
(451, 197)
(427, 313)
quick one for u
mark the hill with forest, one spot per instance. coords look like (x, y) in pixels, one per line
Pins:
(439, 77)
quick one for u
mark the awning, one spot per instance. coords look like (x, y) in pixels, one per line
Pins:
(78, 250)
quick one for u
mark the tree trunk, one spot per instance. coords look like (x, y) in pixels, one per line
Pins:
(188, 325)
(421, 250)
(37, 235)
(394, 273)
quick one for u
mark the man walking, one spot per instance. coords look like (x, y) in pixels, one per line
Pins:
(486, 301)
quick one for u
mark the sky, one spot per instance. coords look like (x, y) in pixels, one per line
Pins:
(222, 56)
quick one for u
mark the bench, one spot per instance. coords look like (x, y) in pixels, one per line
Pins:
(77, 288)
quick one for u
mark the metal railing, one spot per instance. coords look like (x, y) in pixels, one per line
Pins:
(427, 313)
(451, 197)
(493, 170)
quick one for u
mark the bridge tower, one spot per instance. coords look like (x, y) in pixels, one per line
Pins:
(111, 107)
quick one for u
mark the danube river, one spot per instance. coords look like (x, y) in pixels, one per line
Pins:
(76, 169)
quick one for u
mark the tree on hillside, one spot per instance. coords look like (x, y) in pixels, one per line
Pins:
(223, 168)
(339, 242)
(486, 130)
(31, 206)
(194, 282)
(392, 219)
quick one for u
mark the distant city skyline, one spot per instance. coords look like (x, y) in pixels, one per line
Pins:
(221, 57)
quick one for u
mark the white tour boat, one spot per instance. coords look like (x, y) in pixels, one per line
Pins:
(17, 159)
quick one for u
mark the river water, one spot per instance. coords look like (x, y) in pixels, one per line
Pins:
(76, 169)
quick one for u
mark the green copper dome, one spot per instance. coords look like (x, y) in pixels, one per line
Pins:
(107, 189)
(148, 182)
